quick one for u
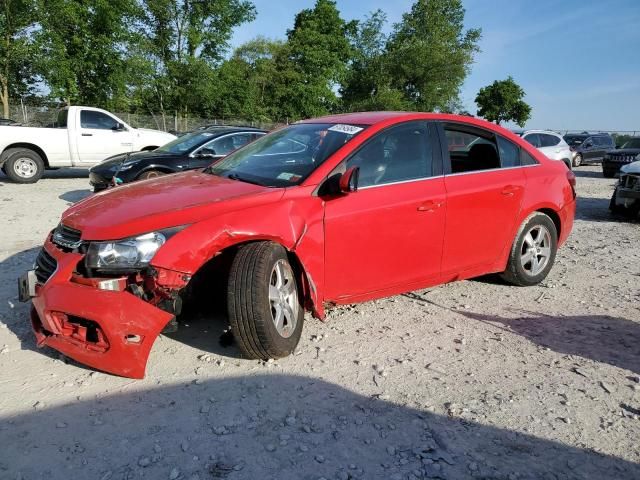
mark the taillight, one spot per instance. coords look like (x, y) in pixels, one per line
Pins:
(571, 177)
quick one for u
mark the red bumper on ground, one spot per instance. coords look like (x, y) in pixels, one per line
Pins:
(111, 331)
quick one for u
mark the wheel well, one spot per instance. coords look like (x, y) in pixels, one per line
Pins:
(28, 146)
(148, 149)
(552, 214)
(159, 169)
(207, 288)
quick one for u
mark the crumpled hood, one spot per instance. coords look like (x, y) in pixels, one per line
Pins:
(163, 202)
(633, 167)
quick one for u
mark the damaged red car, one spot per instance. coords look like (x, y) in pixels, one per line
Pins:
(333, 210)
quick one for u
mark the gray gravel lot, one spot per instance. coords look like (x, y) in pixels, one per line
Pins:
(474, 379)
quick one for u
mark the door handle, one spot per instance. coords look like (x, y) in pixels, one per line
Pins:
(87, 134)
(510, 190)
(429, 206)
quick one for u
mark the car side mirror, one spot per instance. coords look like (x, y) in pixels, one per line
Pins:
(349, 180)
(118, 127)
(207, 153)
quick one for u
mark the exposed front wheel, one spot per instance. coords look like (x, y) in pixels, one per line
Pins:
(533, 252)
(150, 174)
(24, 166)
(265, 309)
(577, 160)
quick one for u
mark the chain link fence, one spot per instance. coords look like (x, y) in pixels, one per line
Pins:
(46, 116)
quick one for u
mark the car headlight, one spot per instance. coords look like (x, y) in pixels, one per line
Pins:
(126, 255)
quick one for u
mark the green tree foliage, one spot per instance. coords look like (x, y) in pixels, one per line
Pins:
(83, 49)
(315, 61)
(368, 84)
(182, 42)
(430, 53)
(16, 50)
(502, 102)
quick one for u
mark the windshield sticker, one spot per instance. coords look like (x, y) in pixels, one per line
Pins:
(289, 177)
(348, 129)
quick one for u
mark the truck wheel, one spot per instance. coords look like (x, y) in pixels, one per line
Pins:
(613, 206)
(24, 166)
(150, 174)
(608, 174)
(265, 309)
(533, 252)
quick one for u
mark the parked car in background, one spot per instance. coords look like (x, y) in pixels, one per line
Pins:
(550, 143)
(626, 196)
(82, 137)
(8, 121)
(614, 159)
(333, 210)
(589, 148)
(197, 149)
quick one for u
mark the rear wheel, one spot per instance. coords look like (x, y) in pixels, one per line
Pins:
(24, 166)
(577, 160)
(264, 304)
(533, 252)
(150, 174)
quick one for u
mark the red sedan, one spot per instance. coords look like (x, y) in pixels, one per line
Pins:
(333, 210)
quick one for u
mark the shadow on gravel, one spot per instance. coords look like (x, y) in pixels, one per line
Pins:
(601, 338)
(591, 174)
(61, 173)
(74, 196)
(273, 426)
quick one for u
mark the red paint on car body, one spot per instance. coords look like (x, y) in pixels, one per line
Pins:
(353, 247)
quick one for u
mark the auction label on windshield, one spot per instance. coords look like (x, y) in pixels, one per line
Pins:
(348, 129)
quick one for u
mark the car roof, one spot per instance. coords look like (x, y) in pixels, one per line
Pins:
(227, 129)
(523, 132)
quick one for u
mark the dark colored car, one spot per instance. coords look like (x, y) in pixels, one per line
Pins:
(614, 159)
(189, 152)
(7, 121)
(589, 148)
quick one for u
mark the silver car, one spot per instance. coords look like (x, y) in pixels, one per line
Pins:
(550, 143)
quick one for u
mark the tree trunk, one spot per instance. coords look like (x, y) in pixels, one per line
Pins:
(4, 95)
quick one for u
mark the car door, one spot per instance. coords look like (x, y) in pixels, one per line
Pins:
(220, 147)
(388, 234)
(589, 149)
(485, 186)
(100, 137)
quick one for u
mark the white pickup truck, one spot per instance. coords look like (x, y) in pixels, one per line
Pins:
(82, 137)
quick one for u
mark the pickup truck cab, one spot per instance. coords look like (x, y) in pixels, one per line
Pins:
(81, 137)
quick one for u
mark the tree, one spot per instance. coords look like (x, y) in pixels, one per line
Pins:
(83, 50)
(16, 73)
(430, 54)
(368, 83)
(183, 41)
(313, 62)
(502, 102)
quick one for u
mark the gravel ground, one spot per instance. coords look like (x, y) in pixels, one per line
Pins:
(474, 379)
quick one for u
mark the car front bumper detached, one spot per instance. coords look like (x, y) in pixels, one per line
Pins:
(97, 322)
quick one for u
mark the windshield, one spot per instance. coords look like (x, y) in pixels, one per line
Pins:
(574, 140)
(288, 156)
(633, 143)
(186, 142)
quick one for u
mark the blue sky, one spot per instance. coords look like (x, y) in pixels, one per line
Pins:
(577, 60)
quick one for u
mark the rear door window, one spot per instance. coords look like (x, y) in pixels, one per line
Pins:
(533, 139)
(548, 140)
(480, 151)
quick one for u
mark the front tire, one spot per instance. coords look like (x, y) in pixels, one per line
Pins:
(24, 166)
(150, 174)
(533, 252)
(608, 174)
(264, 303)
(577, 160)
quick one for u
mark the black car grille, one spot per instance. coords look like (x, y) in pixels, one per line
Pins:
(66, 237)
(623, 158)
(45, 266)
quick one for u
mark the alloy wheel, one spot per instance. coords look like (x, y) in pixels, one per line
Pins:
(536, 250)
(283, 297)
